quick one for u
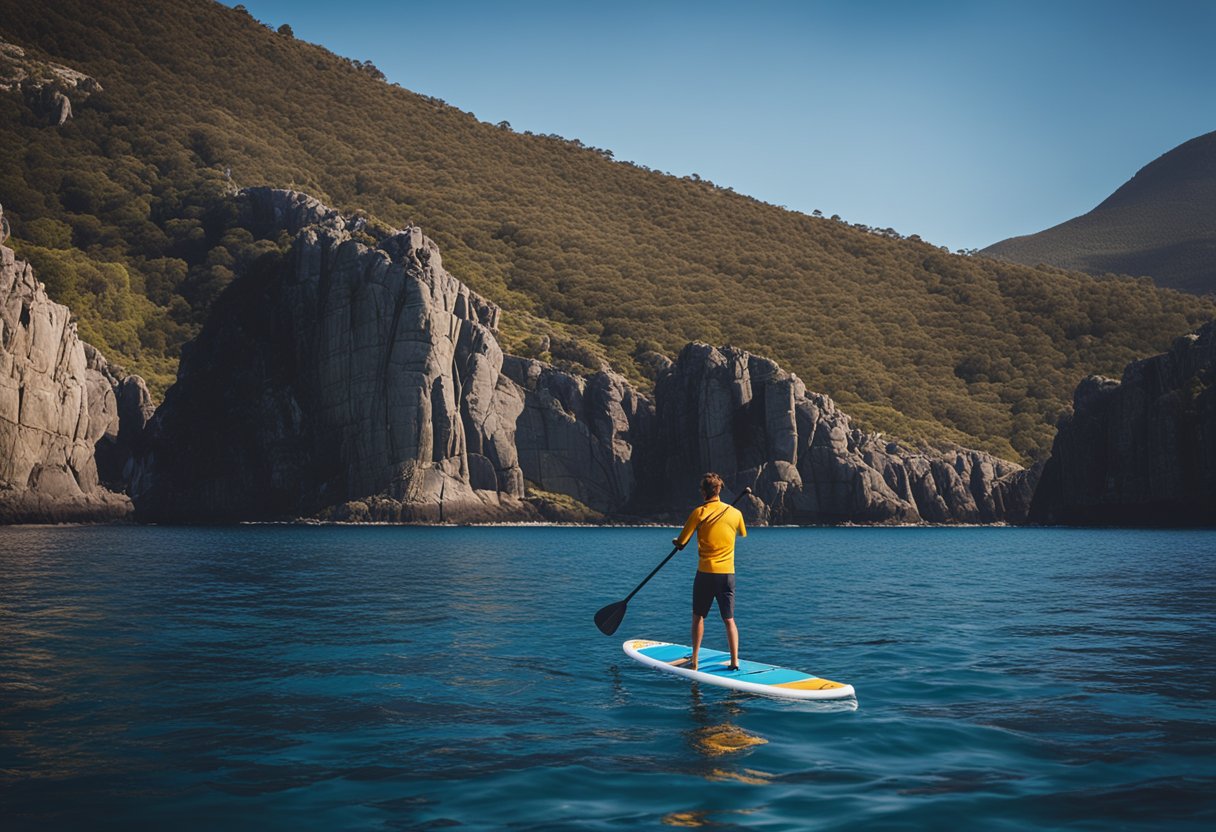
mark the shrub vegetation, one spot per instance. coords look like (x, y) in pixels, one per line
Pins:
(124, 212)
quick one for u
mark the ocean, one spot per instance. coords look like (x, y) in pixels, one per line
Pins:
(345, 677)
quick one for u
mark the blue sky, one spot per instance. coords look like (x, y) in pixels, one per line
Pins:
(964, 122)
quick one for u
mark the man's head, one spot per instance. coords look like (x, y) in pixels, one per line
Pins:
(711, 485)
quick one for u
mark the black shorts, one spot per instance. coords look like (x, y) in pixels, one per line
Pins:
(708, 586)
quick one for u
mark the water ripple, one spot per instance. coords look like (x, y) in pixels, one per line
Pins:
(414, 678)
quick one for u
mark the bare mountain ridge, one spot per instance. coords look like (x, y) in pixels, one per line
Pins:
(1161, 224)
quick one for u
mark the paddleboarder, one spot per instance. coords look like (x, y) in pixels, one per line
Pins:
(716, 526)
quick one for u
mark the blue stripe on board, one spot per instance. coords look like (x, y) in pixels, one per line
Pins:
(667, 652)
(717, 664)
(714, 663)
(777, 676)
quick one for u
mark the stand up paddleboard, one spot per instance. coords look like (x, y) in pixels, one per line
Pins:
(753, 677)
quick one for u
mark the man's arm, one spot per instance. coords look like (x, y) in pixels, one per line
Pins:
(690, 526)
(742, 530)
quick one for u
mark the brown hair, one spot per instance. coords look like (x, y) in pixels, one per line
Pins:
(711, 484)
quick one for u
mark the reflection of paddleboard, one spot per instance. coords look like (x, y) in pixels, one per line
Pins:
(753, 677)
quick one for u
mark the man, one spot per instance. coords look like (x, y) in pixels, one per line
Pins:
(715, 525)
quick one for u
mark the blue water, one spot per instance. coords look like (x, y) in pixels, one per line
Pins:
(277, 677)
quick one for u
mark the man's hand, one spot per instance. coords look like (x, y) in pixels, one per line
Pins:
(675, 541)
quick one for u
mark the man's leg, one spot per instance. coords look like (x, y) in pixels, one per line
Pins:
(726, 606)
(698, 630)
(732, 638)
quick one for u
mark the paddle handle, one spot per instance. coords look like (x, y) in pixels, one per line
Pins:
(655, 571)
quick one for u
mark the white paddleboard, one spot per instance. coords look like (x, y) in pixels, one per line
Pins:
(753, 677)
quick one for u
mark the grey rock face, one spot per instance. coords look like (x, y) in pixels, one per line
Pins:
(342, 374)
(265, 211)
(366, 383)
(44, 85)
(577, 436)
(54, 408)
(1013, 493)
(725, 410)
(60, 108)
(1140, 451)
(127, 406)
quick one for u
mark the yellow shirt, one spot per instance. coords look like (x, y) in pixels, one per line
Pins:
(716, 538)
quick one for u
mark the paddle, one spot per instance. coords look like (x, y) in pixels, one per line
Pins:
(611, 616)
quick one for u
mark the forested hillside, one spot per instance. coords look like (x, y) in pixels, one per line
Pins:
(123, 211)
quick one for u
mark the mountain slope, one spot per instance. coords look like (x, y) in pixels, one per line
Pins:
(122, 211)
(1161, 224)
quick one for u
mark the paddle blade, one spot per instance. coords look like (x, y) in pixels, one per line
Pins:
(610, 617)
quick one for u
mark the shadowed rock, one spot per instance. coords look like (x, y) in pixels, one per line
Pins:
(342, 373)
(130, 398)
(741, 415)
(363, 382)
(577, 436)
(1140, 451)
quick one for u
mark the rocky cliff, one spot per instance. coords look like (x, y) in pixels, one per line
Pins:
(584, 437)
(351, 376)
(355, 378)
(741, 415)
(1140, 451)
(58, 405)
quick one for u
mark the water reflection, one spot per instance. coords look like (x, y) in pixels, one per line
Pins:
(749, 776)
(702, 817)
(718, 740)
(714, 738)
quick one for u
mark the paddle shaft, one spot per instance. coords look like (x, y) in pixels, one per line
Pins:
(676, 549)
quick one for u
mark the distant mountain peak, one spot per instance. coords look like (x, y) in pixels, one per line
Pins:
(1161, 223)
(1188, 166)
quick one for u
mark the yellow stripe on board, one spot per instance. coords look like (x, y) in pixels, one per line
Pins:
(810, 683)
